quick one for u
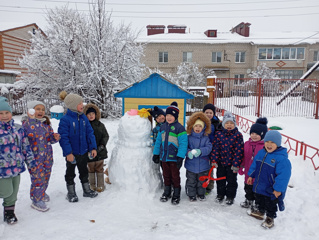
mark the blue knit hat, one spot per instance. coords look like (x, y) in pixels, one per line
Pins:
(4, 105)
(173, 110)
(260, 127)
(273, 136)
(157, 112)
(228, 116)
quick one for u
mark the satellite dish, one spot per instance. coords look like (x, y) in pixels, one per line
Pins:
(248, 70)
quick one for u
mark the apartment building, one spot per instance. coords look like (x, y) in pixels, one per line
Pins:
(232, 54)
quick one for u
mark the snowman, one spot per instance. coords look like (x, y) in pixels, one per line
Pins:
(131, 168)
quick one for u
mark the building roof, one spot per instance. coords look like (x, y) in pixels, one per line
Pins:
(155, 86)
(257, 38)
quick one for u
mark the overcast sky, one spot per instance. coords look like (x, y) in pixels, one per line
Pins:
(198, 16)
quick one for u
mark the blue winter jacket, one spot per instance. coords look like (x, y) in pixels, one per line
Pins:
(171, 142)
(155, 132)
(77, 135)
(202, 142)
(271, 171)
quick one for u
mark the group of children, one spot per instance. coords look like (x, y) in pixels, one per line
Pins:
(83, 140)
(208, 143)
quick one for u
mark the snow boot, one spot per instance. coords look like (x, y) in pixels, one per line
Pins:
(71, 196)
(87, 192)
(92, 181)
(229, 201)
(219, 199)
(167, 194)
(100, 182)
(40, 206)
(256, 214)
(268, 223)
(202, 198)
(176, 196)
(247, 203)
(192, 199)
(9, 216)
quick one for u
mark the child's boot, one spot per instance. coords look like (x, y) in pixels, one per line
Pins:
(247, 203)
(71, 196)
(87, 192)
(100, 182)
(176, 196)
(40, 206)
(9, 216)
(92, 181)
(268, 223)
(167, 194)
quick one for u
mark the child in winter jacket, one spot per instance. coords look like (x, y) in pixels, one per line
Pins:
(227, 154)
(210, 112)
(170, 148)
(197, 161)
(159, 117)
(14, 152)
(251, 148)
(271, 170)
(41, 136)
(95, 165)
(77, 140)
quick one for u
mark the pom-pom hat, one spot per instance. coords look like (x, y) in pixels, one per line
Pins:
(71, 100)
(273, 136)
(157, 112)
(173, 110)
(260, 127)
(228, 116)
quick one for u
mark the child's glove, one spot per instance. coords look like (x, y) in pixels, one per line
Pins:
(190, 155)
(197, 153)
(214, 165)
(235, 169)
(156, 159)
(179, 159)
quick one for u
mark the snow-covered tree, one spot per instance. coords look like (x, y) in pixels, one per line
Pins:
(189, 74)
(85, 55)
(270, 87)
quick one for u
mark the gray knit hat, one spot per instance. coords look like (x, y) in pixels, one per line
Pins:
(228, 116)
(32, 104)
(71, 100)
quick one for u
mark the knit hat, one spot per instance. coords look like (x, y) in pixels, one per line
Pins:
(209, 106)
(32, 104)
(273, 136)
(91, 109)
(200, 122)
(4, 105)
(260, 127)
(228, 116)
(173, 110)
(156, 112)
(71, 100)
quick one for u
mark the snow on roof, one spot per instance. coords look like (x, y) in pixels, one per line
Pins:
(258, 38)
(10, 72)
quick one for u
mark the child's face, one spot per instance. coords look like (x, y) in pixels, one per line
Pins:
(160, 118)
(229, 125)
(270, 146)
(5, 116)
(198, 128)
(91, 116)
(170, 118)
(79, 107)
(39, 111)
(209, 113)
(255, 137)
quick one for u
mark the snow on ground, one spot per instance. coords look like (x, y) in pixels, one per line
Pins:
(122, 215)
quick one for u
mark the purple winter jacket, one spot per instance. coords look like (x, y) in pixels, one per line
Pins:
(251, 149)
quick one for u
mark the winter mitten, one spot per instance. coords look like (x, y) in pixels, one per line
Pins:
(214, 165)
(156, 159)
(235, 169)
(190, 155)
(179, 159)
(241, 171)
(198, 152)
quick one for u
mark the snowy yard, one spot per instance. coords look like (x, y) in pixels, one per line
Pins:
(119, 214)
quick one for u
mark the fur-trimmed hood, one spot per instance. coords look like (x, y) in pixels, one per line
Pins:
(198, 115)
(91, 105)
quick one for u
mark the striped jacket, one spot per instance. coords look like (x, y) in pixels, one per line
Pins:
(171, 142)
(14, 150)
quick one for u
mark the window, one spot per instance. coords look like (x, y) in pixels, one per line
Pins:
(163, 57)
(289, 74)
(240, 57)
(7, 79)
(216, 56)
(281, 53)
(187, 56)
(239, 79)
(316, 56)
